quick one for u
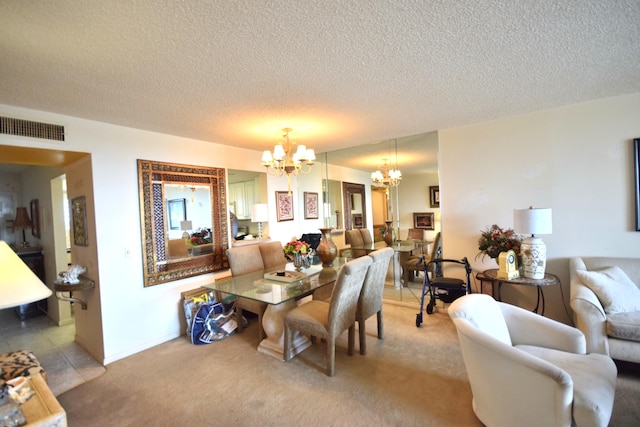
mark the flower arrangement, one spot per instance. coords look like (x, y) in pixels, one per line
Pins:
(297, 247)
(200, 237)
(495, 239)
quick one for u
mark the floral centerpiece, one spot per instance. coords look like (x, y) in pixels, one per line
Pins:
(298, 251)
(296, 247)
(200, 237)
(495, 239)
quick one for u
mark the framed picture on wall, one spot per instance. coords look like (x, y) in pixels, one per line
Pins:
(357, 221)
(310, 205)
(177, 211)
(35, 218)
(284, 206)
(423, 220)
(79, 221)
(434, 196)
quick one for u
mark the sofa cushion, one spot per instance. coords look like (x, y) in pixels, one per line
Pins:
(594, 382)
(614, 289)
(625, 326)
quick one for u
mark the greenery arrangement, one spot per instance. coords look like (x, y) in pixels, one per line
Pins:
(495, 239)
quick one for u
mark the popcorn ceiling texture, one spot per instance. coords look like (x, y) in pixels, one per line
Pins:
(343, 73)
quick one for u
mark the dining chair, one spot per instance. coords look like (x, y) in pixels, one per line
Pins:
(354, 239)
(272, 254)
(415, 264)
(366, 236)
(328, 320)
(415, 234)
(243, 260)
(370, 301)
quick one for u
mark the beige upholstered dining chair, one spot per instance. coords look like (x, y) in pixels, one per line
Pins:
(367, 240)
(272, 254)
(354, 239)
(415, 234)
(247, 259)
(243, 260)
(328, 320)
(370, 301)
(415, 264)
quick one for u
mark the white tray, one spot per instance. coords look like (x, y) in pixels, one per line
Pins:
(289, 276)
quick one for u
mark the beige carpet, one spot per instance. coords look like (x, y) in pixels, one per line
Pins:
(414, 377)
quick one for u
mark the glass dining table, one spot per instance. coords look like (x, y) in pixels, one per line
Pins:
(282, 294)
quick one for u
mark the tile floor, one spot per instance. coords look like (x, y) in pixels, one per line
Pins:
(67, 364)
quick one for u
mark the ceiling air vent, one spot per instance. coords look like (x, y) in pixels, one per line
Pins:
(9, 126)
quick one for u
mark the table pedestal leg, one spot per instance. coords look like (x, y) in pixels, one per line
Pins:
(273, 324)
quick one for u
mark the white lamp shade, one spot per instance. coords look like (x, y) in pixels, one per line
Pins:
(532, 221)
(186, 225)
(260, 212)
(18, 284)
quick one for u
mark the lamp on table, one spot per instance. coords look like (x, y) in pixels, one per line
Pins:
(259, 214)
(22, 222)
(18, 285)
(186, 226)
(533, 250)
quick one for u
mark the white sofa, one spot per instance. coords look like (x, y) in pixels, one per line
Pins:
(606, 308)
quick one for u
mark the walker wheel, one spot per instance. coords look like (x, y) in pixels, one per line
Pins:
(418, 320)
(429, 309)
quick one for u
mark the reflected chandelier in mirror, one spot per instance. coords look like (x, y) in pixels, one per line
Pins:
(160, 266)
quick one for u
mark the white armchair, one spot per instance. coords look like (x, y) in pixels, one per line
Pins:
(527, 370)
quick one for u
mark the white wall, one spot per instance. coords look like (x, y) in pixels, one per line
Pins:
(131, 317)
(577, 160)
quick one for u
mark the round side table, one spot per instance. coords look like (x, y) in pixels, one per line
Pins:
(548, 280)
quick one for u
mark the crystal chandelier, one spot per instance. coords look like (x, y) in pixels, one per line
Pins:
(284, 160)
(385, 177)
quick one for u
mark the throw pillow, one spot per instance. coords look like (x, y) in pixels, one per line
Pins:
(614, 289)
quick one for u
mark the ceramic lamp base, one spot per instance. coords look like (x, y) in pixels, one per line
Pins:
(534, 258)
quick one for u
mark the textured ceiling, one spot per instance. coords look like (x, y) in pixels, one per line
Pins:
(341, 73)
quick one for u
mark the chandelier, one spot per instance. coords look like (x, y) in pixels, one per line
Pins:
(385, 177)
(286, 160)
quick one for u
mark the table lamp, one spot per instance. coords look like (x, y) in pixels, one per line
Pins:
(18, 284)
(185, 226)
(533, 250)
(22, 222)
(259, 213)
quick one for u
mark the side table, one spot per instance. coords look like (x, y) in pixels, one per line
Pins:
(548, 280)
(43, 409)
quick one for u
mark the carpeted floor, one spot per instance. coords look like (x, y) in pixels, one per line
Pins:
(414, 377)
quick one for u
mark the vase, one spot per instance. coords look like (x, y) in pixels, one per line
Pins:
(298, 261)
(327, 250)
(388, 234)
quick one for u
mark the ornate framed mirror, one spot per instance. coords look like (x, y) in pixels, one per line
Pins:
(354, 202)
(184, 233)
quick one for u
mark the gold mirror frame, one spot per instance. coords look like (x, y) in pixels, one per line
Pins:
(153, 217)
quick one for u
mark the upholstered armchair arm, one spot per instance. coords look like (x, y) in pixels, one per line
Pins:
(532, 329)
(497, 372)
(588, 313)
